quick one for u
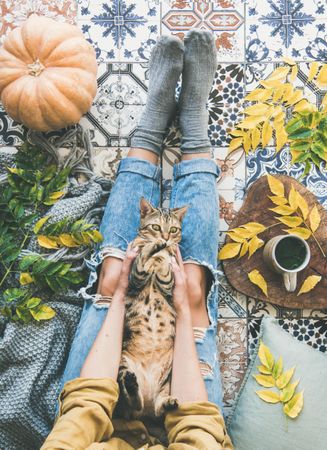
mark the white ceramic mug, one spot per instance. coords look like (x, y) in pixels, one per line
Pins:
(289, 275)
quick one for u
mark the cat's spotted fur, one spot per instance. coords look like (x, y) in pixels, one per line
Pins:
(145, 371)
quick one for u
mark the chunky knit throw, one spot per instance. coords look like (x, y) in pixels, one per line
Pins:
(33, 356)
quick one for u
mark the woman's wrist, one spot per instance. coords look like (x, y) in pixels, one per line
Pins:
(183, 312)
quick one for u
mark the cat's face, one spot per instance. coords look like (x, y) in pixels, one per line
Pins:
(161, 225)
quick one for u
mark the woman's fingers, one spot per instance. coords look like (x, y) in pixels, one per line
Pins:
(131, 254)
(180, 259)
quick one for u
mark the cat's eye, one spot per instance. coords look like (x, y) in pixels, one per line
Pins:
(156, 227)
(173, 230)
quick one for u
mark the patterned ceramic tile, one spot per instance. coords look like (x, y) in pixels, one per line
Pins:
(232, 377)
(118, 104)
(311, 331)
(120, 29)
(224, 18)
(266, 161)
(259, 308)
(232, 169)
(14, 13)
(11, 132)
(228, 207)
(278, 27)
(232, 304)
(105, 160)
(315, 181)
(232, 340)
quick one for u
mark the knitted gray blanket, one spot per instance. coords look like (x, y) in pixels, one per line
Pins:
(33, 356)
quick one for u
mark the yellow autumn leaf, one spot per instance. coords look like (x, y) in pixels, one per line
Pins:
(255, 137)
(25, 278)
(324, 101)
(257, 109)
(296, 97)
(300, 231)
(265, 356)
(244, 249)
(47, 242)
(304, 105)
(289, 61)
(56, 195)
(259, 95)
(281, 135)
(278, 94)
(254, 227)
(242, 232)
(279, 74)
(278, 368)
(229, 251)
(295, 155)
(67, 240)
(43, 312)
(322, 76)
(267, 132)
(294, 73)
(278, 200)
(309, 283)
(275, 185)
(251, 122)
(235, 237)
(40, 223)
(237, 133)
(247, 142)
(265, 380)
(257, 279)
(285, 378)
(268, 396)
(290, 221)
(293, 408)
(314, 219)
(293, 198)
(283, 210)
(288, 392)
(254, 244)
(235, 143)
(264, 370)
(95, 235)
(314, 67)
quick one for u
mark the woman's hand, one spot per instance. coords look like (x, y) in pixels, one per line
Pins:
(131, 254)
(180, 296)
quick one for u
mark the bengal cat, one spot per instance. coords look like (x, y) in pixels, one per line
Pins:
(147, 355)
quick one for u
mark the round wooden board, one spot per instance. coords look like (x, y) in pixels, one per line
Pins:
(256, 209)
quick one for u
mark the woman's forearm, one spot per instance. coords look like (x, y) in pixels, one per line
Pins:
(104, 357)
(187, 383)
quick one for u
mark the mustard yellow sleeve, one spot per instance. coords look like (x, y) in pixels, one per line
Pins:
(197, 426)
(86, 407)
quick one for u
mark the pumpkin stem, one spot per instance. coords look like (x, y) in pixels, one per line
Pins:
(36, 68)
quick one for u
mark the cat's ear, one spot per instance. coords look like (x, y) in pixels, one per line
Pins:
(180, 212)
(145, 207)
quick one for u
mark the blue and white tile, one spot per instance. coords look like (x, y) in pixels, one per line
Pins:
(275, 28)
(105, 160)
(116, 109)
(310, 331)
(232, 304)
(123, 30)
(264, 161)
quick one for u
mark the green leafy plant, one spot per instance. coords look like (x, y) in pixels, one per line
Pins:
(277, 108)
(34, 184)
(271, 375)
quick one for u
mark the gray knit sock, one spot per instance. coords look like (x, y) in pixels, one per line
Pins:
(200, 63)
(166, 65)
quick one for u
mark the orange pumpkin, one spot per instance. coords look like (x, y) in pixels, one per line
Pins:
(47, 74)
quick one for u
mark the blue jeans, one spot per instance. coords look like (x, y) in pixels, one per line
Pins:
(195, 185)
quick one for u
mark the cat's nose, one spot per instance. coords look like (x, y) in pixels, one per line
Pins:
(166, 236)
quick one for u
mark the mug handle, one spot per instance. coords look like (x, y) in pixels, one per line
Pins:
(290, 281)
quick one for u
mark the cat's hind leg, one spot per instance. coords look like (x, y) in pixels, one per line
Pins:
(129, 389)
